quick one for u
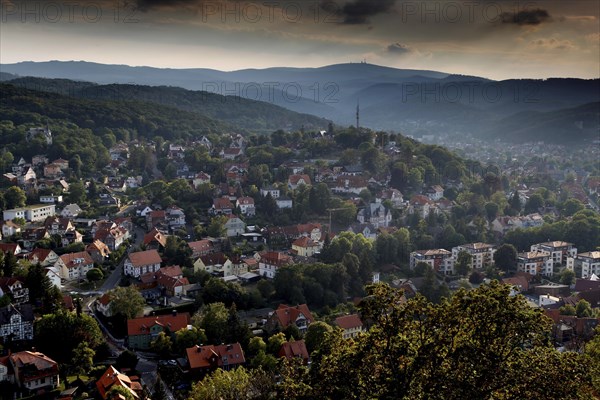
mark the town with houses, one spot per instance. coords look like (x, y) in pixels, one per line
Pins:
(214, 253)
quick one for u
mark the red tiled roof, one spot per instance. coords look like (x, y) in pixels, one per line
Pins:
(519, 281)
(294, 349)
(420, 199)
(38, 365)
(98, 246)
(275, 258)
(348, 321)
(222, 203)
(170, 282)
(71, 258)
(304, 242)
(172, 271)
(39, 254)
(287, 314)
(105, 299)
(200, 246)
(245, 201)
(141, 326)
(147, 257)
(9, 247)
(155, 236)
(201, 357)
(214, 259)
(112, 377)
(294, 179)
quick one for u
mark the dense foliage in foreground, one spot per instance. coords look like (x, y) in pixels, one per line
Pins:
(480, 344)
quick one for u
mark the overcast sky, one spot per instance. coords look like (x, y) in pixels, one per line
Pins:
(494, 39)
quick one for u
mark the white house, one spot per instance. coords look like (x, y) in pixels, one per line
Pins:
(234, 226)
(273, 191)
(270, 262)
(376, 214)
(31, 213)
(201, 178)
(435, 192)
(246, 205)
(71, 211)
(284, 202)
(75, 265)
(142, 262)
(51, 199)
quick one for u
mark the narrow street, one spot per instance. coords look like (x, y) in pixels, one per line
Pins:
(113, 280)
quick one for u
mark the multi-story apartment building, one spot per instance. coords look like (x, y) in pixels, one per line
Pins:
(482, 253)
(536, 263)
(439, 259)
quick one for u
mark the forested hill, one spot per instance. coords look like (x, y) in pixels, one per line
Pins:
(562, 126)
(250, 115)
(21, 105)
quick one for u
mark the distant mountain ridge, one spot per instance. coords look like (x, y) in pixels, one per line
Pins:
(414, 102)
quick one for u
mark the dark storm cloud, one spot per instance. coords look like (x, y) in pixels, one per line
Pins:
(358, 11)
(525, 17)
(398, 49)
(145, 5)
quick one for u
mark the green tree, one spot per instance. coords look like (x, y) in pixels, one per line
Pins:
(162, 345)
(463, 263)
(158, 392)
(275, 342)
(535, 202)
(491, 210)
(9, 263)
(77, 192)
(505, 258)
(83, 359)
(515, 202)
(126, 301)
(256, 345)
(58, 334)
(216, 228)
(127, 359)
(480, 344)
(430, 285)
(234, 385)
(213, 319)
(266, 288)
(567, 309)
(15, 197)
(421, 268)
(94, 274)
(186, 338)
(567, 277)
(319, 197)
(116, 391)
(316, 334)
(583, 309)
(571, 206)
(592, 354)
(40, 288)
